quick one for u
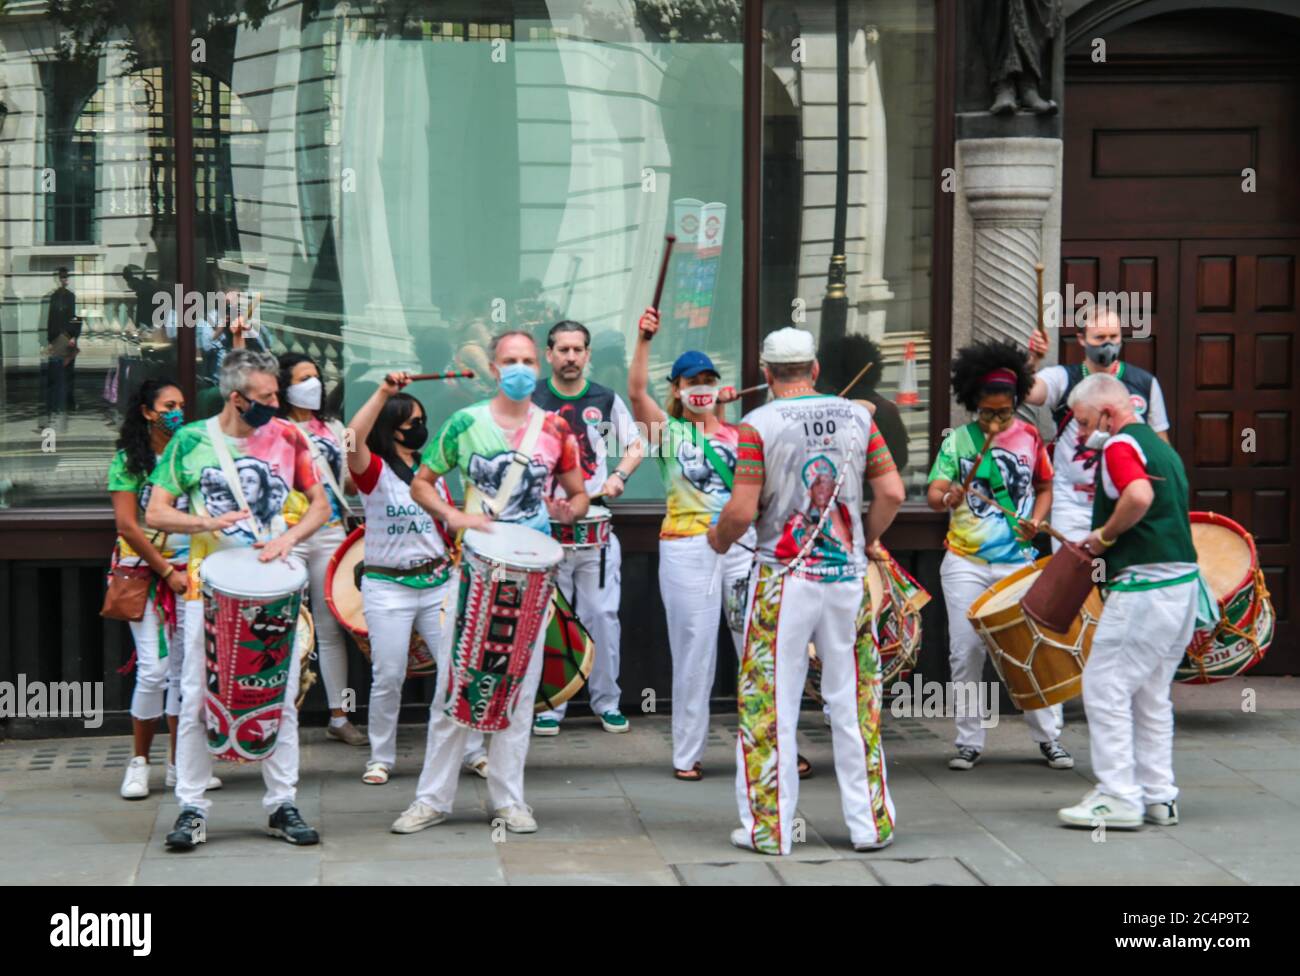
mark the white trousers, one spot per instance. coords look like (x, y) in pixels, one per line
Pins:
(331, 651)
(1071, 516)
(785, 613)
(1136, 648)
(194, 762)
(597, 608)
(157, 679)
(449, 742)
(692, 588)
(963, 581)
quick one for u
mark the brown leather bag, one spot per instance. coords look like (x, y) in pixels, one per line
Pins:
(128, 592)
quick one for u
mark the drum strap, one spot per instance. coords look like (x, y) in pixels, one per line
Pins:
(222, 450)
(988, 469)
(715, 462)
(323, 466)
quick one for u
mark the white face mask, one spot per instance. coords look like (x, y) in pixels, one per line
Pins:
(701, 399)
(306, 394)
(1097, 439)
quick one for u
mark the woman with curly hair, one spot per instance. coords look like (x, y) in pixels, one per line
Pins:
(1010, 462)
(154, 413)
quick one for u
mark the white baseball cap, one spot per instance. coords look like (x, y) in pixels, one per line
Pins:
(789, 345)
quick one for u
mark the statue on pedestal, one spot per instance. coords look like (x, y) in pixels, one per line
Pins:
(1018, 37)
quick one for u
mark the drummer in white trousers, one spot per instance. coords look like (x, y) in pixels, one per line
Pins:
(1155, 598)
(985, 545)
(275, 456)
(506, 449)
(696, 453)
(591, 577)
(406, 584)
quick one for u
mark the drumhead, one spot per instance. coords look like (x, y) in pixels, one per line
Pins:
(515, 545)
(1009, 595)
(239, 572)
(597, 513)
(1224, 557)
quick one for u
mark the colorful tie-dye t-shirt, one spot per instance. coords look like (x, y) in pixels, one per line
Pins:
(174, 547)
(327, 437)
(976, 529)
(472, 442)
(275, 471)
(695, 491)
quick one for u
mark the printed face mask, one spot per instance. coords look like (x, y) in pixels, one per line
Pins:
(171, 421)
(306, 394)
(518, 381)
(1102, 355)
(701, 399)
(257, 414)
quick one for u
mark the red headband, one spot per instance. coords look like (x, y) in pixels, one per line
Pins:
(1000, 377)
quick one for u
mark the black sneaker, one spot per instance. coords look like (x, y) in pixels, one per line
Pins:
(288, 824)
(1056, 755)
(966, 758)
(189, 831)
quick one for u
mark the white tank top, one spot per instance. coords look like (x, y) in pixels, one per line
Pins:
(399, 533)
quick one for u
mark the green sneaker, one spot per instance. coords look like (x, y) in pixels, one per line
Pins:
(546, 726)
(614, 722)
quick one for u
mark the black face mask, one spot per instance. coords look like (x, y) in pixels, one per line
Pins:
(257, 414)
(1104, 354)
(413, 437)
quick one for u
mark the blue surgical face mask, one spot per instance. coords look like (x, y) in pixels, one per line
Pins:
(518, 381)
(257, 414)
(171, 421)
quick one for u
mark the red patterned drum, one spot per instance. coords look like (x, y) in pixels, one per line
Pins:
(589, 532)
(250, 619)
(343, 597)
(507, 577)
(1226, 555)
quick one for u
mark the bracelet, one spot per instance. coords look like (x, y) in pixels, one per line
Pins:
(1102, 539)
(170, 570)
(620, 475)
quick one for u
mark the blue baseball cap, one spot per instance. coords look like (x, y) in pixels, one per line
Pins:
(692, 363)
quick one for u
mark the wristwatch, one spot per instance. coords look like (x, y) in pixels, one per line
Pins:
(620, 475)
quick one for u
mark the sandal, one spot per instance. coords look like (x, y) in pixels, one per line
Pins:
(376, 773)
(805, 768)
(692, 775)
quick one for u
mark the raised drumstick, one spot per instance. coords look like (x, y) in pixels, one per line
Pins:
(669, 241)
(854, 382)
(456, 374)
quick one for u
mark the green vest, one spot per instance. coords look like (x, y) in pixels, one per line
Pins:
(1164, 535)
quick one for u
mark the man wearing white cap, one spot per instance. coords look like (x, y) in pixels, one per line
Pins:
(801, 462)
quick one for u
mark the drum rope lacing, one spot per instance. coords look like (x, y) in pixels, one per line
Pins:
(1201, 643)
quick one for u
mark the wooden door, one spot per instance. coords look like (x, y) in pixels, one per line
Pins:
(1235, 424)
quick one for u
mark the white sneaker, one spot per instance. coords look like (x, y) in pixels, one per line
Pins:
(1164, 814)
(213, 782)
(416, 817)
(1101, 808)
(518, 820)
(479, 766)
(135, 783)
(877, 845)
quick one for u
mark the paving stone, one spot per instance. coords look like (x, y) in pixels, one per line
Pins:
(747, 873)
(929, 871)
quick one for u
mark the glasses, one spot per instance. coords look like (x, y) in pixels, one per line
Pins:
(1006, 413)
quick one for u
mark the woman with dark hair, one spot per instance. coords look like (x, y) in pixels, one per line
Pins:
(153, 414)
(408, 560)
(1011, 466)
(301, 399)
(696, 451)
(841, 360)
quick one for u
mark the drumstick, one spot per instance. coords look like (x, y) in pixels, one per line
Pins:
(970, 475)
(1044, 526)
(854, 382)
(751, 389)
(1038, 271)
(669, 241)
(456, 374)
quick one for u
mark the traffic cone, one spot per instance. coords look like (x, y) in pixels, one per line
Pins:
(908, 394)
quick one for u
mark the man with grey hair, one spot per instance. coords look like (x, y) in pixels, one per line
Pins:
(273, 454)
(1154, 598)
(1074, 464)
